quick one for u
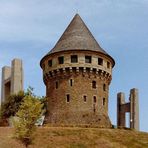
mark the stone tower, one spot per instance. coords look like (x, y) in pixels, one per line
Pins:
(132, 107)
(12, 79)
(77, 73)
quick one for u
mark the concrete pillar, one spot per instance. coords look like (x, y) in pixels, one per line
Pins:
(12, 79)
(16, 76)
(6, 74)
(120, 111)
(134, 109)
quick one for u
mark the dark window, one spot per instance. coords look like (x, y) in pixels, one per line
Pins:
(71, 82)
(67, 98)
(104, 102)
(100, 61)
(57, 85)
(95, 99)
(108, 65)
(50, 63)
(61, 60)
(87, 59)
(93, 84)
(85, 98)
(104, 87)
(74, 59)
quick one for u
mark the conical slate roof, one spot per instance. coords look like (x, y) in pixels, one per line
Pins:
(77, 37)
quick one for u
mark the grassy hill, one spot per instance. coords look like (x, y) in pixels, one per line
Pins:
(64, 137)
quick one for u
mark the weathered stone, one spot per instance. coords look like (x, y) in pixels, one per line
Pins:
(77, 91)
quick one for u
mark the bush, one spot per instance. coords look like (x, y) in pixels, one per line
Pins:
(11, 105)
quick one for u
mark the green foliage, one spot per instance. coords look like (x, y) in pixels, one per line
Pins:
(11, 105)
(30, 110)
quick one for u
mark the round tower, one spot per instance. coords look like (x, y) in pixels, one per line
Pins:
(77, 73)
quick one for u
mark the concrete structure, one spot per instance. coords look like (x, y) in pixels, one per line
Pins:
(132, 107)
(12, 79)
(77, 73)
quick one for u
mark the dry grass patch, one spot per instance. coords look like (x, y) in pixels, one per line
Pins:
(64, 137)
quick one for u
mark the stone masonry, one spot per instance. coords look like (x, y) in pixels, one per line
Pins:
(77, 73)
(12, 79)
(132, 107)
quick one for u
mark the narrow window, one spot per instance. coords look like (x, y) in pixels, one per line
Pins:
(85, 98)
(100, 61)
(87, 59)
(71, 82)
(61, 60)
(108, 65)
(94, 84)
(57, 85)
(104, 87)
(67, 98)
(104, 102)
(74, 59)
(94, 99)
(50, 63)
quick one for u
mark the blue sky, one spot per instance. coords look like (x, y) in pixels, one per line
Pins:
(29, 29)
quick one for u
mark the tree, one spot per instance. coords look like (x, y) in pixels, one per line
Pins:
(30, 110)
(11, 105)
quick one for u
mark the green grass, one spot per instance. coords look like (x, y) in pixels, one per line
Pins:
(72, 137)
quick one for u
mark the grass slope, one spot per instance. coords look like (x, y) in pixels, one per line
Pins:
(64, 137)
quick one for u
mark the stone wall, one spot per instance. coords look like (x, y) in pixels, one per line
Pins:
(58, 79)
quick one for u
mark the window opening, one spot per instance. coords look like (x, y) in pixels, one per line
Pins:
(74, 58)
(67, 98)
(87, 59)
(100, 61)
(61, 60)
(50, 63)
(94, 84)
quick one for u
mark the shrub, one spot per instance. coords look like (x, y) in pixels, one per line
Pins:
(30, 110)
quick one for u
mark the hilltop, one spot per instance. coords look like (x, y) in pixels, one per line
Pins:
(68, 137)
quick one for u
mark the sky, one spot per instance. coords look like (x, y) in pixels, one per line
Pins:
(30, 29)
